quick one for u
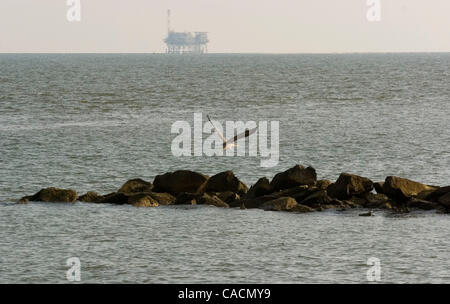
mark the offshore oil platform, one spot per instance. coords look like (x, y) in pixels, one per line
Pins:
(185, 42)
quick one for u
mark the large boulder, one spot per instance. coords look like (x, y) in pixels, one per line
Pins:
(225, 181)
(142, 200)
(262, 187)
(348, 185)
(90, 197)
(179, 181)
(403, 189)
(136, 186)
(53, 195)
(295, 176)
(280, 204)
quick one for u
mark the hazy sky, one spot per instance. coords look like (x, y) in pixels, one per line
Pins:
(261, 26)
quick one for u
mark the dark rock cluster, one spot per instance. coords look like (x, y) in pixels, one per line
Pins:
(295, 190)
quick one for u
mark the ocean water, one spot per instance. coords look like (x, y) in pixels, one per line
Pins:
(91, 122)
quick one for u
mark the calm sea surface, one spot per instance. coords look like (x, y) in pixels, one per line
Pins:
(91, 122)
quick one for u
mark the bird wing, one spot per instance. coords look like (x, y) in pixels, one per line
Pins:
(242, 135)
(218, 132)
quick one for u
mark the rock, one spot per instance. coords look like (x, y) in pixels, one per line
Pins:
(319, 197)
(421, 204)
(298, 193)
(211, 200)
(280, 204)
(186, 198)
(323, 184)
(23, 200)
(162, 198)
(358, 201)
(402, 189)
(136, 186)
(90, 197)
(348, 185)
(179, 181)
(117, 198)
(375, 200)
(370, 213)
(378, 187)
(142, 200)
(445, 199)
(227, 196)
(386, 205)
(225, 181)
(262, 187)
(401, 209)
(435, 194)
(251, 203)
(301, 209)
(53, 195)
(295, 176)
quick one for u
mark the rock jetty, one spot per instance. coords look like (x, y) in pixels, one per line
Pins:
(294, 190)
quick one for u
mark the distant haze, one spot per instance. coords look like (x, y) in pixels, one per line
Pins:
(254, 26)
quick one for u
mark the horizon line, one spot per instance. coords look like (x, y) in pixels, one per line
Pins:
(232, 53)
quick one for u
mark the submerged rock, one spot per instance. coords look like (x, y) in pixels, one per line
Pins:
(179, 181)
(295, 176)
(370, 213)
(402, 189)
(225, 181)
(136, 185)
(23, 200)
(348, 185)
(53, 195)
